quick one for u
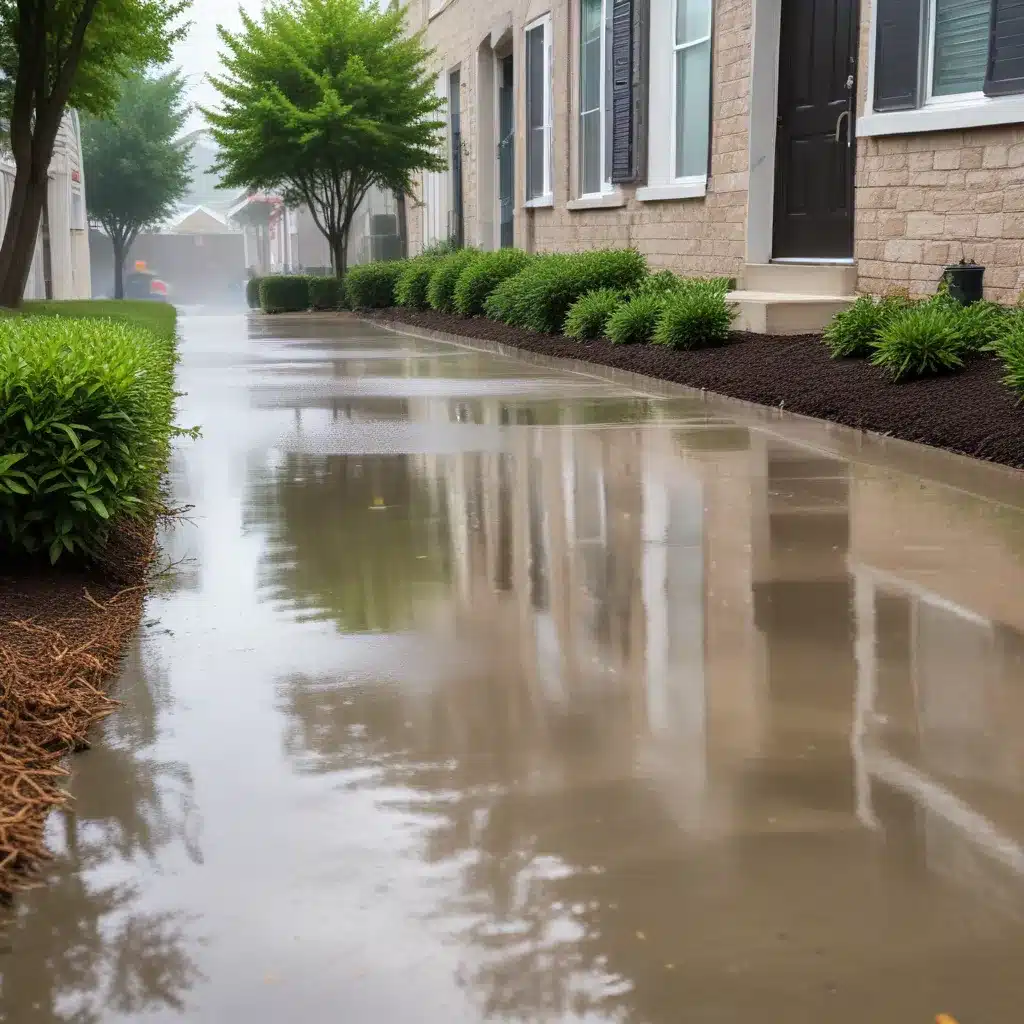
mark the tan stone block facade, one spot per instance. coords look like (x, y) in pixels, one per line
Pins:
(922, 201)
(690, 236)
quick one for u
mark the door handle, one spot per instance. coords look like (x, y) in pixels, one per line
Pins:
(839, 126)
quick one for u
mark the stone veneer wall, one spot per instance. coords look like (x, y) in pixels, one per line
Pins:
(689, 236)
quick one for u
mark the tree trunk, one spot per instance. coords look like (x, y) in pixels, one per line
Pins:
(339, 254)
(119, 253)
(403, 224)
(20, 237)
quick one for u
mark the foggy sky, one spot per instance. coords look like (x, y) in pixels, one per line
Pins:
(197, 55)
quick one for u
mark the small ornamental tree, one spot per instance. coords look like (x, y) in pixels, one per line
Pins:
(55, 54)
(323, 100)
(135, 169)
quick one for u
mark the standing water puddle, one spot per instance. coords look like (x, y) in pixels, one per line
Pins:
(494, 691)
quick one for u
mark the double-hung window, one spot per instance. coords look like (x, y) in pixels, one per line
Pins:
(948, 60)
(691, 88)
(538, 110)
(595, 97)
(679, 99)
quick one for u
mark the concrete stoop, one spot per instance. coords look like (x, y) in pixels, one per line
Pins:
(792, 298)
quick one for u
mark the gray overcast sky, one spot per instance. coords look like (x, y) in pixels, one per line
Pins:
(197, 55)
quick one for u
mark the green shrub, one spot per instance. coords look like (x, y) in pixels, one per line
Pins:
(252, 292)
(588, 314)
(633, 322)
(412, 285)
(284, 294)
(539, 297)
(695, 317)
(86, 411)
(854, 331)
(372, 285)
(664, 282)
(441, 291)
(921, 341)
(1010, 348)
(326, 293)
(980, 325)
(483, 275)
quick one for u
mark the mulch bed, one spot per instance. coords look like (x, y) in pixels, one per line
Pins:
(62, 636)
(969, 412)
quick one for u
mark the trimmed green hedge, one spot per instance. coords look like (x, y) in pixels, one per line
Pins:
(634, 321)
(414, 281)
(441, 292)
(326, 293)
(252, 292)
(539, 297)
(588, 316)
(86, 409)
(284, 294)
(694, 317)
(372, 285)
(483, 275)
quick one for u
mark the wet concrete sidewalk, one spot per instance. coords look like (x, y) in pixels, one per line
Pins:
(493, 691)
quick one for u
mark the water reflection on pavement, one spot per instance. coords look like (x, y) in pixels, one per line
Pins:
(493, 691)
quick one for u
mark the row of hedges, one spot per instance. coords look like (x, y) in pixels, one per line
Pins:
(606, 292)
(86, 422)
(909, 338)
(295, 293)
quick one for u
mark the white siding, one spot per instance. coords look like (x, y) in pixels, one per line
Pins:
(437, 191)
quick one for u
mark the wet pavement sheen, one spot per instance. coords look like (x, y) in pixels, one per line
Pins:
(488, 690)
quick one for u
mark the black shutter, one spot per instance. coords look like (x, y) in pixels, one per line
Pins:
(897, 54)
(1005, 71)
(624, 148)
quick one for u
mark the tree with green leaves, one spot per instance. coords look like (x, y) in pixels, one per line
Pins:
(55, 54)
(323, 100)
(135, 165)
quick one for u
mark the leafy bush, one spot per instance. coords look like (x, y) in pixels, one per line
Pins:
(633, 322)
(412, 285)
(854, 331)
(85, 428)
(284, 294)
(540, 295)
(441, 291)
(483, 275)
(1010, 347)
(921, 341)
(664, 282)
(252, 292)
(695, 317)
(980, 325)
(588, 315)
(326, 293)
(372, 285)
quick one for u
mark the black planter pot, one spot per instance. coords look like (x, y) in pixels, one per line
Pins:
(966, 282)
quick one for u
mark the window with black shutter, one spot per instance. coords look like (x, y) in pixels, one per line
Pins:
(623, 141)
(1005, 71)
(897, 54)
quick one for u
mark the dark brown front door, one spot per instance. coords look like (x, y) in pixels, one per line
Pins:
(814, 169)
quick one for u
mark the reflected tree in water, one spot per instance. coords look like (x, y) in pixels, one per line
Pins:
(353, 539)
(83, 946)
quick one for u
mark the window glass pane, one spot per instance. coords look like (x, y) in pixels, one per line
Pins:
(693, 109)
(535, 77)
(590, 152)
(591, 20)
(607, 98)
(693, 20)
(590, 84)
(961, 46)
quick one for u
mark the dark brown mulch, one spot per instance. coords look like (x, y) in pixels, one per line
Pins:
(969, 412)
(62, 636)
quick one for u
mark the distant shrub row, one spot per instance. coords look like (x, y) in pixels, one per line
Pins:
(295, 293)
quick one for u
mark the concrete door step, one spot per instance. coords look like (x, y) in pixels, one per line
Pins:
(773, 312)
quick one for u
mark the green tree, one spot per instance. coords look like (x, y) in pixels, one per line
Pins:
(56, 53)
(135, 166)
(322, 100)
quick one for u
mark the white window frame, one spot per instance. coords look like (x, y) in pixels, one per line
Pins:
(930, 100)
(936, 114)
(663, 181)
(607, 187)
(546, 198)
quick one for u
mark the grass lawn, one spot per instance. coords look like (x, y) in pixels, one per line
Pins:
(159, 317)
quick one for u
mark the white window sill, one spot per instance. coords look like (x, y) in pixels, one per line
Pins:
(970, 113)
(678, 190)
(539, 203)
(605, 201)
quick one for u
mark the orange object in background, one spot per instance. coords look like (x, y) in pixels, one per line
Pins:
(140, 265)
(944, 1018)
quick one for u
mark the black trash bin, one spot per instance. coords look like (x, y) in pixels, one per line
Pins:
(966, 282)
